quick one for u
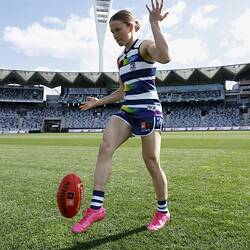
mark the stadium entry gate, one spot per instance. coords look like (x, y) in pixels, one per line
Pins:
(52, 125)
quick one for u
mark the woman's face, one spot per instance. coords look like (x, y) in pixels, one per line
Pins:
(121, 32)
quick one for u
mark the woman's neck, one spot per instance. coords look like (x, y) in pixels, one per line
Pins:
(130, 43)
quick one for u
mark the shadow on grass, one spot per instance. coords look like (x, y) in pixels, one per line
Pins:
(114, 237)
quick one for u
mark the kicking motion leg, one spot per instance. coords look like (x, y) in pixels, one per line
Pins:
(116, 133)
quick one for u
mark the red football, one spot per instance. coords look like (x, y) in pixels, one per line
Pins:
(70, 195)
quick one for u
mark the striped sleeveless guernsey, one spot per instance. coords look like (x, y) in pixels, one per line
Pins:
(141, 98)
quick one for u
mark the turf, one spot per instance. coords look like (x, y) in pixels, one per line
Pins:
(208, 175)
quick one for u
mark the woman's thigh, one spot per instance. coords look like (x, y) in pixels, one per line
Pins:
(116, 132)
(151, 146)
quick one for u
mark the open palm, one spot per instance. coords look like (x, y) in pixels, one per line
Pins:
(90, 103)
(155, 14)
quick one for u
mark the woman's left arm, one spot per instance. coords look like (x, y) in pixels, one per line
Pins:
(158, 50)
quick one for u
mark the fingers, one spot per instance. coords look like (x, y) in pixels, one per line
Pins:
(157, 4)
(152, 3)
(84, 107)
(149, 10)
(161, 6)
(165, 15)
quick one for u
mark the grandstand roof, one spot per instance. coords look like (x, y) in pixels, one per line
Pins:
(110, 79)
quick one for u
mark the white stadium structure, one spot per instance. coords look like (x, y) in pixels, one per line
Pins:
(101, 10)
(192, 99)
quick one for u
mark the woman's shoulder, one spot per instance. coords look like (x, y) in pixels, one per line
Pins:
(146, 42)
(142, 42)
(143, 49)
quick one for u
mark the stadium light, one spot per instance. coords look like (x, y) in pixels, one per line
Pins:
(101, 10)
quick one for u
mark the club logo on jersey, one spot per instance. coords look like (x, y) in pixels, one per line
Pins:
(134, 58)
(132, 66)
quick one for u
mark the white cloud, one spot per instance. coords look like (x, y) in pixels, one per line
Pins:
(69, 42)
(174, 18)
(45, 68)
(225, 42)
(239, 45)
(175, 14)
(188, 51)
(215, 62)
(52, 20)
(42, 68)
(75, 40)
(200, 20)
(145, 30)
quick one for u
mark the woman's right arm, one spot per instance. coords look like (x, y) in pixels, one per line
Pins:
(93, 102)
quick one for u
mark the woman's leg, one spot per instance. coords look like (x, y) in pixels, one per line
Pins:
(117, 132)
(151, 146)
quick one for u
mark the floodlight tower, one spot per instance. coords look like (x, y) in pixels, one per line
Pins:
(101, 10)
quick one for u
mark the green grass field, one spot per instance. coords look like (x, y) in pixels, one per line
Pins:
(208, 174)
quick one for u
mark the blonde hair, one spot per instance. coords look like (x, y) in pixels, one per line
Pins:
(127, 17)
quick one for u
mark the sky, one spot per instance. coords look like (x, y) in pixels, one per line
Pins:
(60, 35)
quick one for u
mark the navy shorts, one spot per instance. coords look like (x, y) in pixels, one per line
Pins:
(141, 126)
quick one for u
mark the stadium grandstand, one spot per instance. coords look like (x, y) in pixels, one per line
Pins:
(192, 99)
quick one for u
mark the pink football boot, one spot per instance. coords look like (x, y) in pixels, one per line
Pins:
(90, 216)
(158, 221)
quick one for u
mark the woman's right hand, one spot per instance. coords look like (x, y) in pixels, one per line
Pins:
(155, 14)
(91, 102)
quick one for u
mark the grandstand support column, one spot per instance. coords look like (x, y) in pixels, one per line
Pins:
(246, 119)
(62, 125)
(20, 123)
(101, 11)
(43, 126)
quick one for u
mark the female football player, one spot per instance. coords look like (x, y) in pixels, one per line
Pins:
(140, 114)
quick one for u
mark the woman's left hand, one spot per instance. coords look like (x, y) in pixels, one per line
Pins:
(155, 14)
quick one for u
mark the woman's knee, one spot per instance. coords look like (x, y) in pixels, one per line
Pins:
(106, 148)
(153, 166)
(152, 162)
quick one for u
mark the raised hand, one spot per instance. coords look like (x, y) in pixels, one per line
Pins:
(155, 14)
(90, 103)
